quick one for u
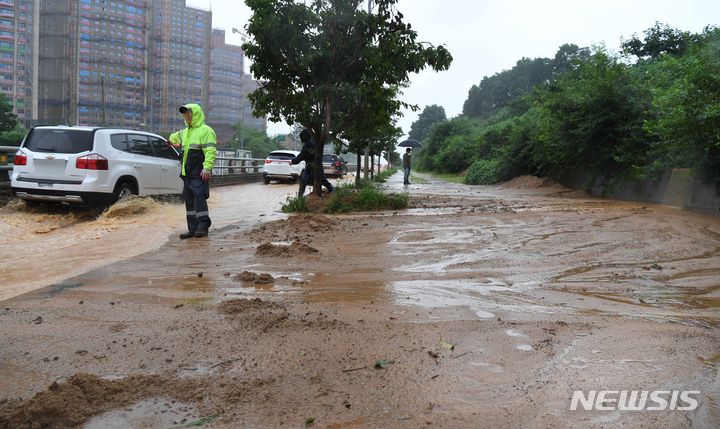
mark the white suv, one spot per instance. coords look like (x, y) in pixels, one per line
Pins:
(90, 165)
(278, 166)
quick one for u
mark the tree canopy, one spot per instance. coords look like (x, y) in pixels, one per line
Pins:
(333, 66)
(254, 140)
(430, 116)
(598, 117)
(659, 39)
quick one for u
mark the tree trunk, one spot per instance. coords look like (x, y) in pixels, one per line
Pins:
(319, 148)
(357, 170)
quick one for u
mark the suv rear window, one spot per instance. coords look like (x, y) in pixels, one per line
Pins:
(59, 141)
(281, 155)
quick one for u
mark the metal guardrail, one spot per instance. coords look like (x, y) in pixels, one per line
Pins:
(237, 170)
(238, 165)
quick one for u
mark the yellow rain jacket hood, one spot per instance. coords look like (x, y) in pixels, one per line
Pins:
(199, 143)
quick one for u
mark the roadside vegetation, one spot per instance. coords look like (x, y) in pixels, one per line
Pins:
(382, 176)
(367, 196)
(588, 114)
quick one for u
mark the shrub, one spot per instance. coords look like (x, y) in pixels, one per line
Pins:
(368, 197)
(294, 205)
(484, 171)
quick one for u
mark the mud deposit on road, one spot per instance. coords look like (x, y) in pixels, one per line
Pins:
(478, 306)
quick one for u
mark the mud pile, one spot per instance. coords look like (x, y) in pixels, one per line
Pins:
(251, 277)
(528, 181)
(255, 313)
(71, 403)
(82, 396)
(295, 248)
(312, 222)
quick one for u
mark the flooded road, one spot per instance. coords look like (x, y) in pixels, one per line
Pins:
(478, 306)
(69, 242)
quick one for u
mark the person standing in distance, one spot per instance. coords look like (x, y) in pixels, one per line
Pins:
(199, 146)
(307, 154)
(407, 160)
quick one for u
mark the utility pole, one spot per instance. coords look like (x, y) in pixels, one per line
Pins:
(243, 37)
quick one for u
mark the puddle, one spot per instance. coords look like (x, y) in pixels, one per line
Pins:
(357, 291)
(147, 414)
(514, 333)
(446, 235)
(524, 347)
(58, 288)
(443, 264)
(195, 282)
(484, 314)
(434, 293)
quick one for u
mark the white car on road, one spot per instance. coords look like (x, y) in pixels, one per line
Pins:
(277, 166)
(90, 165)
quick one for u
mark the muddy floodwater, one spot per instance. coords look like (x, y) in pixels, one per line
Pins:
(479, 306)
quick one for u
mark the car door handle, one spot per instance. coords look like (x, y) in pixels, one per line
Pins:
(137, 166)
(164, 169)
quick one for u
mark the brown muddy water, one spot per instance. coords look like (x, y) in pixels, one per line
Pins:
(44, 245)
(477, 307)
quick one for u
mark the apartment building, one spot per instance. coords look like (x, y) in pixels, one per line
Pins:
(125, 63)
(19, 54)
(248, 118)
(93, 63)
(226, 70)
(180, 46)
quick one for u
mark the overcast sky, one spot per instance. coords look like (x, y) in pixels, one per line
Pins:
(489, 36)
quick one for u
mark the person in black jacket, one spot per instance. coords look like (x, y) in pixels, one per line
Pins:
(307, 154)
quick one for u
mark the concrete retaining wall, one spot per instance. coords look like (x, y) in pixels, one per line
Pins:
(679, 188)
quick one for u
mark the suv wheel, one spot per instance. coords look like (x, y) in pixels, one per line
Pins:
(124, 190)
(266, 180)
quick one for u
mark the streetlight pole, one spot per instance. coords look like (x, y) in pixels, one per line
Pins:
(367, 148)
(243, 37)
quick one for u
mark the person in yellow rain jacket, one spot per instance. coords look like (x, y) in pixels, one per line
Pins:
(199, 145)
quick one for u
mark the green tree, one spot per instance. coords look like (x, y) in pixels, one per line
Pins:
(255, 141)
(659, 39)
(438, 138)
(685, 112)
(430, 116)
(499, 90)
(13, 137)
(8, 120)
(567, 56)
(315, 63)
(592, 119)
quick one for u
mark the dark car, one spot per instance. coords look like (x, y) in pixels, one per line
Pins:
(334, 165)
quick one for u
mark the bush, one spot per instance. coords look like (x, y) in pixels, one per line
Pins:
(383, 175)
(368, 197)
(485, 171)
(457, 154)
(294, 205)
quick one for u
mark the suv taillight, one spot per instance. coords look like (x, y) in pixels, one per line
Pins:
(20, 158)
(267, 161)
(91, 162)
